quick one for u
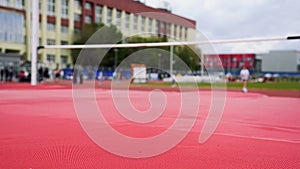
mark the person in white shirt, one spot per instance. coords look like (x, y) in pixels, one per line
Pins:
(100, 77)
(244, 74)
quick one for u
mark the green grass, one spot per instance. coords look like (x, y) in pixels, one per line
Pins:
(235, 85)
(268, 85)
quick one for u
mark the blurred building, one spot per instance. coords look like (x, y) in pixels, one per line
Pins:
(285, 62)
(12, 35)
(281, 62)
(231, 63)
(61, 19)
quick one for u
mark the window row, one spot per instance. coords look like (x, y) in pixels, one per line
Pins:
(51, 8)
(52, 42)
(63, 29)
(162, 28)
(51, 59)
(159, 28)
(19, 4)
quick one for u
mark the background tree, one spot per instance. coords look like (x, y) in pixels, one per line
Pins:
(111, 35)
(125, 52)
(189, 55)
(88, 35)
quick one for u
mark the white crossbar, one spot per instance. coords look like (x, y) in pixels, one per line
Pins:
(135, 45)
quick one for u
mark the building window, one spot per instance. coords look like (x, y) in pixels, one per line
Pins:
(109, 16)
(157, 27)
(64, 29)
(143, 23)
(186, 33)
(118, 19)
(51, 27)
(88, 6)
(2, 38)
(50, 42)
(175, 30)
(64, 8)
(19, 4)
(64, 42)
(77, 4)
(8, 21)
(88, 19)
(51, 58)
(150, 22)
(135, 22)
(63, 60)
(127, 21)
(77, 17)
(77, 31)
(98, 13)
(163, 28)
(169, 29)
(51, 7)
(4, 2)
(180, 32)
(40, 6)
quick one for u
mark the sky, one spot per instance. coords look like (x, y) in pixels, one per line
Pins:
(235, 19)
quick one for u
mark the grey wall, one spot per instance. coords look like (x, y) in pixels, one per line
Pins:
(280, 61)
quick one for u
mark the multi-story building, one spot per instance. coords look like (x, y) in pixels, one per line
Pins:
(231, 63)
(284, 62)
(61, 19)
(12, 32)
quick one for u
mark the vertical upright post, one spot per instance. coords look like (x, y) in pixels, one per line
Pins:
(171, 59)
(34, 39)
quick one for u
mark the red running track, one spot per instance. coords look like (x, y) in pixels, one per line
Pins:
(40, 129)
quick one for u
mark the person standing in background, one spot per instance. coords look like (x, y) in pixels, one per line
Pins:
(100, 77)
(1, 74)
(244, 74)
(46, 74)
(41, 74)
(10, 73)
(6, 72)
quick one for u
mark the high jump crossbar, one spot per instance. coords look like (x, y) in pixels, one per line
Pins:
(160, 44)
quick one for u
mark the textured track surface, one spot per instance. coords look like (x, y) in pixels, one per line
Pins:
(40, 129)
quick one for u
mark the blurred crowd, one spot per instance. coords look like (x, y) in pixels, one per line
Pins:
(6, 74)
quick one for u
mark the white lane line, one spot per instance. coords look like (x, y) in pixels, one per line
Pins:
(259, 138)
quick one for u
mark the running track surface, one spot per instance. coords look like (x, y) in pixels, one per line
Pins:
(40, 129)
